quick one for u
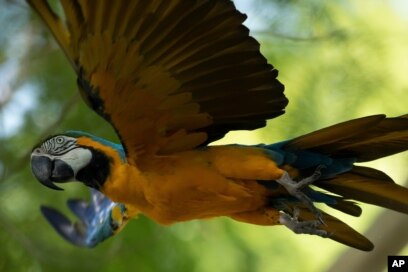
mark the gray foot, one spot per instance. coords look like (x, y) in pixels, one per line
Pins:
(295, 189)
(303, 227)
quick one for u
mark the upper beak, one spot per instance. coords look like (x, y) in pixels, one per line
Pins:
(48, 171)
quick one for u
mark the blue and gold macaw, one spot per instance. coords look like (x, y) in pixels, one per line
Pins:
(172, 77)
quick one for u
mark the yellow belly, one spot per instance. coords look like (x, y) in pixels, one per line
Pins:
(217, 181)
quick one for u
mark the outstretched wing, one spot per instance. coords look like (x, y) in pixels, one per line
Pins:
(98, 219)
(168, 75)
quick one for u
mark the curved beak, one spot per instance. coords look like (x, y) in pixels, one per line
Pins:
(48, 171)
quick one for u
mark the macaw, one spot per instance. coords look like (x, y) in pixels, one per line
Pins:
(173, 76)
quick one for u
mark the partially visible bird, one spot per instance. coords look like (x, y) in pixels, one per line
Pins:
(172, 77)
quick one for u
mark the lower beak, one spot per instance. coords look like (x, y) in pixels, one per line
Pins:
(48, 171)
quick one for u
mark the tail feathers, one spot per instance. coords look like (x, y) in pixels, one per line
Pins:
(346, 206)
(366, 138)
(335, 133)
(362, 139)
(336, 202)
(339, 231)
(369, 186)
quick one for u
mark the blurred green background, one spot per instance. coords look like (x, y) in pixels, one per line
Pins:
(338, 59)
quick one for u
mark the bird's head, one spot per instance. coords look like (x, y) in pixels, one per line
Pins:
(74, 156)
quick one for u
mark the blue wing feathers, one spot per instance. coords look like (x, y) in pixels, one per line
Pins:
(94, 223)
(308, 160)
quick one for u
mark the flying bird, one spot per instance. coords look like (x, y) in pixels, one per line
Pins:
(173, 76)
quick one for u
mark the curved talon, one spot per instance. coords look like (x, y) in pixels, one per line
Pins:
(302, 227)
(309, 180)
(295, 189)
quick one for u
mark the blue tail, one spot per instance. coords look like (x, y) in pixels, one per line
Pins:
(337, 148)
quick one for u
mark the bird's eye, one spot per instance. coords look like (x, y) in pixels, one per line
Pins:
(59, 140)
(37, 150)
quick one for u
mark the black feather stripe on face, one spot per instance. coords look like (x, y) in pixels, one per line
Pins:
(97, 171)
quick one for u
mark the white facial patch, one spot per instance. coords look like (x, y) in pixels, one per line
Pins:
(77, 158)
(56, 146)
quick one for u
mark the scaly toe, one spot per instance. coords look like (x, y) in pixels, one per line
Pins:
(302, 227)
(295, 189)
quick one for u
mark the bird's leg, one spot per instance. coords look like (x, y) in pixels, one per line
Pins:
(302, 227)
(295, 189)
